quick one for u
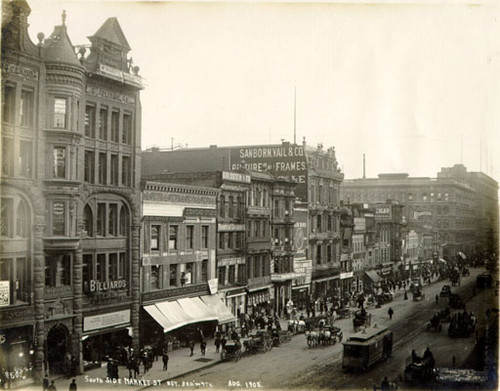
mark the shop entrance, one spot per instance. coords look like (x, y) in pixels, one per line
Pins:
(57, 347)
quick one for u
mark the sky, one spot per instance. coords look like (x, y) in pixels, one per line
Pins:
(412, 85)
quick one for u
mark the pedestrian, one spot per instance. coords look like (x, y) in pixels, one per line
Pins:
(45, 383)
(165, 360)
(191, 346)
(72, 386)
(223, 342)
(52, 386)
(437, 299)
(217, 343)
(406, 296)
(203, 347)
(385, 384)
(390, 312)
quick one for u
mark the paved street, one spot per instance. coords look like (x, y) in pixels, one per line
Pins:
(295, 365)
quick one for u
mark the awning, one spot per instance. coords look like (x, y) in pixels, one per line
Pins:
(216, 303)
(177, 313)
(372, 274)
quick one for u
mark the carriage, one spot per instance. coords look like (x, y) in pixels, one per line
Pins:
(435, 323)
(444, 315)
(260, 341)
(231, 351)
(418, 293)
(280, 336)
(461, 325)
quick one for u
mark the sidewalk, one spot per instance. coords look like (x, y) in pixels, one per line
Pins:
(180, 364)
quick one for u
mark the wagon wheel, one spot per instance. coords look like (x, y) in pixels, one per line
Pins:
(334, 340)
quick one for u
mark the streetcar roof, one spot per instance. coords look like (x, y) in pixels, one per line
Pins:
(367, 336)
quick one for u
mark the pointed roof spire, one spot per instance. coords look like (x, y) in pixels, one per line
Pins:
(58, 46)
(111, 32)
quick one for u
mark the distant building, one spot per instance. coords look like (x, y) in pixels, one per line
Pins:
(457, 211)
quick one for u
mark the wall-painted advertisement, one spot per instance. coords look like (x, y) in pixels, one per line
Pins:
(284, 159)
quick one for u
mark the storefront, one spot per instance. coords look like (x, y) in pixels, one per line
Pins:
(258, 301)
(16, 357)
(236, 302)
(105, 335)
(373, 281)
(300, 296)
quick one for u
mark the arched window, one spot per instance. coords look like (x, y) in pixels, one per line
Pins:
(124, 221)
(22, 220)
(88, 221)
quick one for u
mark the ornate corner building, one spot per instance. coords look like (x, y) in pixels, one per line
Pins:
(70, 197)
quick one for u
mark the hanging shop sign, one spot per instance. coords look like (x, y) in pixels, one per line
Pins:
(212, 285)
(4, 293)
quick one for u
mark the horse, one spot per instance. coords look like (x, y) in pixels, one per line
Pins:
(325, 337)
(312, 338)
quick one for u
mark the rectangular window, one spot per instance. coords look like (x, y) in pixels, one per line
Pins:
(115, 126)
(89, 166)
(7, 156)
(222, 240)
(232, 274)
(318, 255)
(204, 270)
(86, 271)
(329, 253)
(26, 108)
(58, 219)
(230, 242)
(114, 170)
(155, 238)
(103, 123)
(57, 270)
(222, 206)
(101, 219)
(8, 104)
(60, 113)
(204, 236)
(113, 267)
(127, 129)
(257, 267)
(126, 171)
(90, 121)
(25, 158)
(265, 267)
(190, 236)
(172, 237)
(59, 162)
(241, 274)
(101, 267)
(173, 275)
(330, 223)
(221, 275)
(102, 168)
(319, 223)
(154, 278)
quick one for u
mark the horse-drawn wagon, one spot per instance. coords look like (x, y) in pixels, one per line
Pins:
(231, 351)
(260, 341)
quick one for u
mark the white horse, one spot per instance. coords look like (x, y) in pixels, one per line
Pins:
(312, 338)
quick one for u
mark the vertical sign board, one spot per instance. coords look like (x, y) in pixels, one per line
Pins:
(4, 293)
(282, 160)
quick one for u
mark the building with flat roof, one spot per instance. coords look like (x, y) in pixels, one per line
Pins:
(457, 211)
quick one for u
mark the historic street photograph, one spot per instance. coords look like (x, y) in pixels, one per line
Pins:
(235, 195)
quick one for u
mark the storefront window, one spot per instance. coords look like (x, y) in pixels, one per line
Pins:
(204, 270)
(190, 236)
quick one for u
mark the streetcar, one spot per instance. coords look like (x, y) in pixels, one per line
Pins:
(364, 349)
